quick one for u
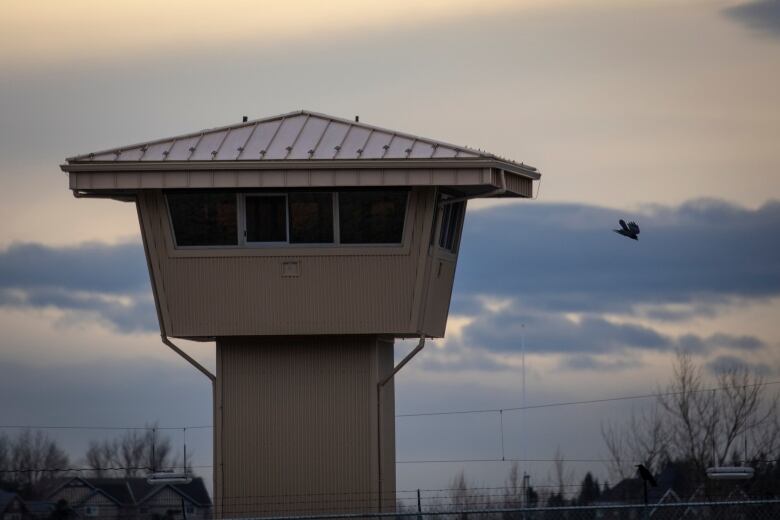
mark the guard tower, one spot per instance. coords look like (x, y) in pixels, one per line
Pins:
(303, 245)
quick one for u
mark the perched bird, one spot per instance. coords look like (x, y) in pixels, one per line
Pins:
(646, 475)
(631, 230)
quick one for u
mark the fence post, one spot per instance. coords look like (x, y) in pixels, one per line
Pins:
(419, 506)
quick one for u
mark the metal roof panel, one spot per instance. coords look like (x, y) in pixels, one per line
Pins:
(293, 136)
(355, 140)
(282, 143)
(375, 147)
(310, 136)
(234, 143)
(258, 143)
(182, 149)
(332, 137)
(208, 146)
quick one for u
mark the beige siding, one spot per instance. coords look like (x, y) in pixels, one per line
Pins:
(519, 184)
(297, 425)
(233, 292)
(108, 180)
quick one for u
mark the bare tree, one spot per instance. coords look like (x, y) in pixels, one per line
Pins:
(707, 424)
(464, 497)
(134, 453)
(102, 456)
(700, 423)
(643, 439)
(33, 456)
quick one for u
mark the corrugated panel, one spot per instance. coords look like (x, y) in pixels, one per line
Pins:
(297, 426)
(249, 295)
(280, 178)
(520, 185)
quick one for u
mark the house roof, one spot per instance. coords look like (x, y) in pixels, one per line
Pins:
(5, 499)
(194, 491)
(301, 135)
(135, 490)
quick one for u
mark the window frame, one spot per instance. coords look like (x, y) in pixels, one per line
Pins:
(242, 232)
(440, 222)
(242, 245)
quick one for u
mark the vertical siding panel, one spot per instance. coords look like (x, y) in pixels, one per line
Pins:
(299, 418)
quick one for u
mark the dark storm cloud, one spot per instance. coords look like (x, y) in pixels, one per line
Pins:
(760, 15)
(91, 280)
(553, 333)
(88, 267)
(565, 258)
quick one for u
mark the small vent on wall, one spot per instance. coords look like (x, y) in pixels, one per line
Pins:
(291, 269)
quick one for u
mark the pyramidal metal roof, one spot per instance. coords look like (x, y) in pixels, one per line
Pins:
(296, 136)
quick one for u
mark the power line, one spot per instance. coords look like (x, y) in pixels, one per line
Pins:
(445, 461)
(417, 414)
(108, 428)
(582, 402)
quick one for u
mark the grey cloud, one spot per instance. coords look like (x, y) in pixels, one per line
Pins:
(87, 267)
(587, 362)
(91, 280)
(552, 333)
(760, 15)
(564, 257)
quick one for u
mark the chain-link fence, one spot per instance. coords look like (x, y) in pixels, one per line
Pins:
(759, 509)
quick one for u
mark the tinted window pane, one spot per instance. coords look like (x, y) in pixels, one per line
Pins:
(452, 219)
(372, 217)
(266, 218)
(204, 219)
(311, 217)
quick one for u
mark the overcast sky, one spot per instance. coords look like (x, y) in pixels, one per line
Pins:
(665, 112)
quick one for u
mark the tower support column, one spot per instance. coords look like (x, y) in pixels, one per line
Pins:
(300, 426)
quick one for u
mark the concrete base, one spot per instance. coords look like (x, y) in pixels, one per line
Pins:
(300, 426)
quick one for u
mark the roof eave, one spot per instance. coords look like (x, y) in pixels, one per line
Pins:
(304, 164)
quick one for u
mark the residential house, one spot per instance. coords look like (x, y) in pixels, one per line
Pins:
(131, 498)
(12, 507)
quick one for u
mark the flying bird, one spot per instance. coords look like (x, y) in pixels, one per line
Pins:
(646, 475)
(631, 230)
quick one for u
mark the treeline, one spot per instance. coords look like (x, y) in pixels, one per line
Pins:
(697, 422)
(31, 457)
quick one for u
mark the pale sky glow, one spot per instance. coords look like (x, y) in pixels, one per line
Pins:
(635, 110)
(52, 33)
